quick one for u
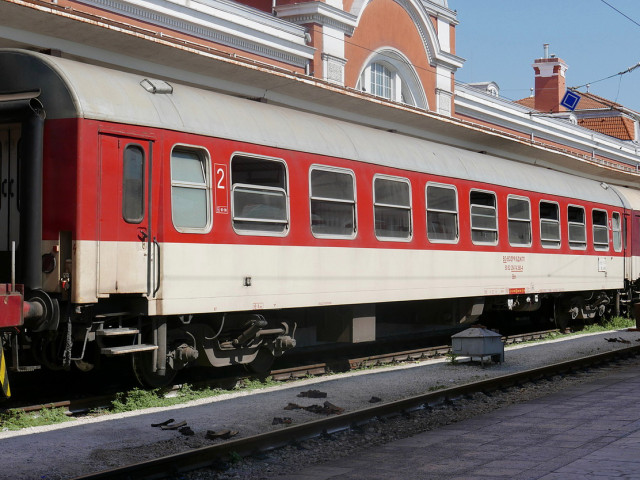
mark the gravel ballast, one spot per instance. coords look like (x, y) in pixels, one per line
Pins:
(95, 444)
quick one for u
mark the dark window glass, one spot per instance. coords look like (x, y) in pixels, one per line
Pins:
(600, 230)
(484, 218)
(577, 227)
(519, 221)
(392, 208)
(442, 213)
(133, 184)
(333, 206)
(259, 192)
(549, 225)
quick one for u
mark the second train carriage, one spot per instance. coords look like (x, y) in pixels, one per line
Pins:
(186, 227)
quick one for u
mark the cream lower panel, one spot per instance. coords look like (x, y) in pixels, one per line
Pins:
(84, 277)
(209, 278)
(103, 268)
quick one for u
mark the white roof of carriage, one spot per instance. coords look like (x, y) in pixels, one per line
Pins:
(73, 89)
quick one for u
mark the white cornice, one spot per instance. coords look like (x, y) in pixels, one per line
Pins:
(440, 11)
(318, 12)
(474, 103)
(222, 22)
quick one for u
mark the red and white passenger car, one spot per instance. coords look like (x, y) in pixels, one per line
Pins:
(187, 227)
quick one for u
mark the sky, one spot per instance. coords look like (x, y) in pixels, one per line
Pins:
(500, 39)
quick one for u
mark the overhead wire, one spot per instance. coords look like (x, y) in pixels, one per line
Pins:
(619, 74)
(621, 13)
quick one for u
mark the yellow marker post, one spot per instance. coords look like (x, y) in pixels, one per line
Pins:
(4, 376)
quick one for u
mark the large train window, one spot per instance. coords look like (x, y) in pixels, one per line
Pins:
(442, 213)
(259, 195)
(616, 228)
(133, 184)
(484, 217)
(190, 190)
(577, 227)
(600, 229)
(392, 208)
(333, 202)
(549, 225)
(519, 221)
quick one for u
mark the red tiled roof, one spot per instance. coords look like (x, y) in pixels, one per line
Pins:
(589, 101)
(618, 127)
(614, 125)
(528, 102)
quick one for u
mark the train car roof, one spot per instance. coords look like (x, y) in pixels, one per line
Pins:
(71, 89)
(630, 197)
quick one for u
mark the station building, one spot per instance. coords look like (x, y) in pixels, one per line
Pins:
(389, 64)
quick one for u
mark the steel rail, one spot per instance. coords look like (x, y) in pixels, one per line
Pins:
(81, 405)
(206, 456)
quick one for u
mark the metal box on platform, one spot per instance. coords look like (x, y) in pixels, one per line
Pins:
(478, 342)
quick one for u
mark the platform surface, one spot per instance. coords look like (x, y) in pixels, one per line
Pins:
(590, 431)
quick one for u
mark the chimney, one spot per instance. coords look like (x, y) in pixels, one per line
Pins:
(550, 85)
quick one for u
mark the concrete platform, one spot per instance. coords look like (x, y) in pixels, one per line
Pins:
(591, 431)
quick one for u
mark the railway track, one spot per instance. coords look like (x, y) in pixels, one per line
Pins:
(203, 457)
(83, 406)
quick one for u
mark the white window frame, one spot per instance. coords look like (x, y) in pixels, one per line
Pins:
(394, 206)
(616, 247)
(456, 212)
(205, 157)
(285, 191)
(584, 228)
(601, 247)
(346, 171)
(495, 208)
(558, 242)
(519, 220)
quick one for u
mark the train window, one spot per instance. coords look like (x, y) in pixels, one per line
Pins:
(577, 227)
(260, 202)
(549, 225)
(484, 218)
(600, 230)
(133, 184)
(333, 205)
(190, 190)
(392, 208)
(616, 228)
(519, 221)
(442, 213)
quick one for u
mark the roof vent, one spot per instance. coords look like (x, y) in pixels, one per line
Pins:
(156, 86)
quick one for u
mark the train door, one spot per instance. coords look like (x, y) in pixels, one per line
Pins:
(9, 208)
(124, 263)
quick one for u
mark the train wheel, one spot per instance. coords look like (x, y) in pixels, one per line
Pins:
(262, 364)
(145, 375)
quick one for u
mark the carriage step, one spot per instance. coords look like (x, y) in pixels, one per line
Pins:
(111, 332)
(128, 349)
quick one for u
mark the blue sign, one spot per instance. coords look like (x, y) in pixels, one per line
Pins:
(570, 100)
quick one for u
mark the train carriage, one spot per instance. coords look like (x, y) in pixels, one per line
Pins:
(187, 227)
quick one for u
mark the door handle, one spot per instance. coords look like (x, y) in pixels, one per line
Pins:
(156, 247)
(11, 195)
(142, 234)
(3, 188)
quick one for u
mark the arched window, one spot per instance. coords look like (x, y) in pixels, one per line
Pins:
(381, 80)
(389, 74)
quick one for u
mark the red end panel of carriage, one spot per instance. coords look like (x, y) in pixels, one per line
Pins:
(11, 306)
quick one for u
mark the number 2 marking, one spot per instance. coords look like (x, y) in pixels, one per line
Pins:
(220, 172)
